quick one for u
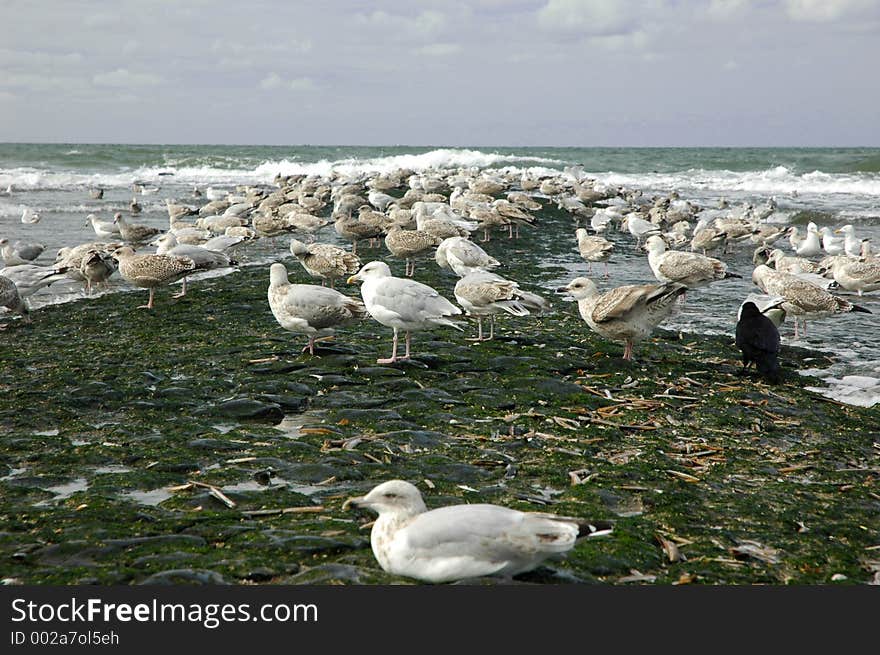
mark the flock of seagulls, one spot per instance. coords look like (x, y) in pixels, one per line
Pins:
(436, 214)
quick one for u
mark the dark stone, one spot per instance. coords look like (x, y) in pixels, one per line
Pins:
(184, 576)
(248, 409)
(286, 401)
(215, 444)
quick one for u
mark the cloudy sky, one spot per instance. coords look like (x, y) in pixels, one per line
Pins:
(442, 72)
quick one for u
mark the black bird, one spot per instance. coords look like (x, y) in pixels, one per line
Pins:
(758, 339)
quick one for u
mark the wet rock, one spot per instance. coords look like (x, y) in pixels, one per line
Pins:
(374, 372)
(452, 471)
(431, 396)
(262, 574)
(376, 416)
(215, 444)
(550, 388)
(340, 574)
(184, 577)
(175, 392)
(287, 402)
(177, 467)
(247, 409)
(416, 438)
(333, 380)
(175, 557)
(289, 541)
(348, 399)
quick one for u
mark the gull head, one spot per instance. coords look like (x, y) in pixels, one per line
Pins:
(371, 271)
(655, 244)
(277, 274)
(759, 274)
(396, 497)
(124, 251)
(579, 288)
(117, 217)
(298, 248)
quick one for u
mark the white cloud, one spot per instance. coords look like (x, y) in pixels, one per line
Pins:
(38, 83)
(425, 25)
(726, 8)
(820, 11)
(273, 81)
(101, 20)
(591, 17)
(439, 49)
(122, 77)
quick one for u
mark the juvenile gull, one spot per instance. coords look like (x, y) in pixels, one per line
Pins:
(855, 275)
(132, 233)
(406, 244)
(594, 248)
(482, 293)
(460, 541)
(463, 256)
(628, 313)
(688, 268)
(30, 216)
(96, 267)
(309, 309)
(324, 261)
(204, 259)
(802, 299)
(10, 298)
(151, 271)
(402, 304)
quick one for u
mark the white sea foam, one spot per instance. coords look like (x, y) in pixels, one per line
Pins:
(778, 180)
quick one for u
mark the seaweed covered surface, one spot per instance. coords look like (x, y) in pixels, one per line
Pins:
(196, 443)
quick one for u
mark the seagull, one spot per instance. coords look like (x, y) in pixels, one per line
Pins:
(30, 278)
(151, 271)
(96, 267)
(134, 233)
(811, 246)
(324, 261)
(461, 541)
(10, 298)
(831, 244)
(482, 293)
(134, 207)
(308, 308)
(802, 298)
(406, 244)
(402, 304)
(628, 313)
(856, 275)
(639, 227)
(594, 249)
(204, 259)
(19, 253)
(690, 269)
(103, 228)
(851, 243)
(758, 339)
(29, 216)
(463, 256)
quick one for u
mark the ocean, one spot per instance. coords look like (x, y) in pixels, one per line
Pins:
(830, 186)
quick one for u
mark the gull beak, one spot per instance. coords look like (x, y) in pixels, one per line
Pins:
(352, 279)
(562, 290)
(837, 231)
(353, 502)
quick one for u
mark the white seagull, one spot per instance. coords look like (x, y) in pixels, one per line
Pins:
(461, 541)
(402, 304)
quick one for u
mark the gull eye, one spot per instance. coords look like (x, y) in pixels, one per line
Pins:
(391, 496)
